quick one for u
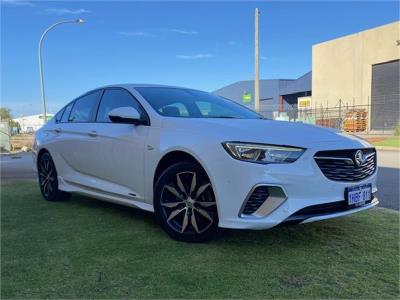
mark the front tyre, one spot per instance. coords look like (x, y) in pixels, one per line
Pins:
(184, 203)
(48, 181)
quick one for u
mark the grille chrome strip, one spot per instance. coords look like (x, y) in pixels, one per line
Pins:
(335, 158)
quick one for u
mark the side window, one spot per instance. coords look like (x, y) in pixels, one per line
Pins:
(58, 115)
(84, 107)
(114, 98)
(66, 113)
(209, 109)
(177, 109)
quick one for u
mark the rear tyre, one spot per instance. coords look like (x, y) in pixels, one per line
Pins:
(48, 181)
(184, 203)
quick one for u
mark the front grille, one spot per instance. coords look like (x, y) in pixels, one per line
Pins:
(340, 165)
(256, 199)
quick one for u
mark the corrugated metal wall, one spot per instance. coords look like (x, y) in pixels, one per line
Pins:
(385, 95)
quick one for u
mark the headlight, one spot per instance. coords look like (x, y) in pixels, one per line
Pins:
(263, 154)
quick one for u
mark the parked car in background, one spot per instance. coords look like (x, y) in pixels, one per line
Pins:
(199, 161)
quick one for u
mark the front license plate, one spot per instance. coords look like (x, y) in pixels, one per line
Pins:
(359, 194)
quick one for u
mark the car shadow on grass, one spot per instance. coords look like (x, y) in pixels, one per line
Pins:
(319, 233)
(114, 209)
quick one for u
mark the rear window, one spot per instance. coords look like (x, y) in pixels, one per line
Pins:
(84, 108)
(66, 112)
(58, 115)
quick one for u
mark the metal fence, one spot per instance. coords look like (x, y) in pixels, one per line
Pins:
(380, 115)
(5, 142)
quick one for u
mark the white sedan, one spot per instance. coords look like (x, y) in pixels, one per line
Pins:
(199, 161)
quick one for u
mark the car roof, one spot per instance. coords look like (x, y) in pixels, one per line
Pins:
(140, 85)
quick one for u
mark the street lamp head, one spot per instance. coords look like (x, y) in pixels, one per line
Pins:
(80, 21)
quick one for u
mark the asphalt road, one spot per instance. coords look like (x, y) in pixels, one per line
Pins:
(20, 166)
(17, 166)
(389, 179)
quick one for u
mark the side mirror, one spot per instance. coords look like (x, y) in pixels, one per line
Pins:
(128, 115)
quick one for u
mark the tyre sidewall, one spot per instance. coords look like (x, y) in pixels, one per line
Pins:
(57, 195)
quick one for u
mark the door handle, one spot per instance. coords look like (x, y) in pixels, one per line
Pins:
(92, 133)
(57, 130)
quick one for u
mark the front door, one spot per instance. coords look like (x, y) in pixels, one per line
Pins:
(118, 149)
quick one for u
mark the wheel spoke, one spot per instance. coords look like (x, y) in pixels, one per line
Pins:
(180, 184)
(50, 187)
(193, 185)
(202, 189)
(47, 165)
(205, 203)
(174, 191)
(44, 181)
(204, 214)
(175, 213)
(43, 165)
(185, 221)
(171, 204)
(194, 222)
(45, 187)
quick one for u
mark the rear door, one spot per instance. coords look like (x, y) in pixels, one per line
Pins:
(76, 136)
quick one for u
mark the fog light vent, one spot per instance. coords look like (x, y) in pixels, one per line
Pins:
(256, 199)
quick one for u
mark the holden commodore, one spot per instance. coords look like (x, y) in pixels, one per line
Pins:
(200, 161)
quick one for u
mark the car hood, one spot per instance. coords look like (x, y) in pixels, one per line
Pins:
(267, 131)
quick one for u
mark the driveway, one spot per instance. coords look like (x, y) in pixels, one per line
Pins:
(389, 178)
(20, 166)
(17, 166)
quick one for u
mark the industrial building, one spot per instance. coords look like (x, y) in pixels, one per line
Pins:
(361, 69)
(30, 124)
(355, 75)
(275, 94)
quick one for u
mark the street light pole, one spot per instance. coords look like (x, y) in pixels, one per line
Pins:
(78, 21)
(256, 64)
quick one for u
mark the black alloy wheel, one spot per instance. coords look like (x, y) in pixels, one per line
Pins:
(48, 181)
(185, 203)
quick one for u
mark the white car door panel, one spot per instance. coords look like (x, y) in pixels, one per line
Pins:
(117, 155)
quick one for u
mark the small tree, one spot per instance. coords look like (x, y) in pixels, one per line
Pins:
(6, 116)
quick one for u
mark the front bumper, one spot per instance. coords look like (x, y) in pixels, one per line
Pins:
(302, 182)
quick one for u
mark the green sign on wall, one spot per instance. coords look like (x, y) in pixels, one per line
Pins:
(246, 97)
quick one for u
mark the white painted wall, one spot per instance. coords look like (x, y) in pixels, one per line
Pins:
(31, 123)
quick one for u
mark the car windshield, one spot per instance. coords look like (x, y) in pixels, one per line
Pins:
(186, 103)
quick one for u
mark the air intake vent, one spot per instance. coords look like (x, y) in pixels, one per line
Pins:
(347, 165)
(256, 199)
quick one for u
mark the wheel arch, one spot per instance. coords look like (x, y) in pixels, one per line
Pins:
(172, 157)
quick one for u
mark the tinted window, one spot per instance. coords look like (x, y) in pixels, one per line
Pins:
(175, 110)
(84, 107)
(115, 98)
(66, 113)
(58, 115)
(176, 102)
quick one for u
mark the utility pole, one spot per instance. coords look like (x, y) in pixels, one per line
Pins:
(256, 64)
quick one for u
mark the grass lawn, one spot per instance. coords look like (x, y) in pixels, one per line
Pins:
(393, 141)
(85, 248)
